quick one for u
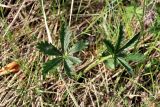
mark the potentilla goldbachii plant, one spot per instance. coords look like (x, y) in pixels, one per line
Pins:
(63, 56)
(117, 53)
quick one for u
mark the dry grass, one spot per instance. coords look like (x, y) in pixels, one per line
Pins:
(25, 23)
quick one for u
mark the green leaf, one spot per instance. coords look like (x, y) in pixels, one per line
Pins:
(48, 49)
(110, 63)
(155, 28)
(109, 46)
(74, 59)
(105, 53)
(78, 47)
(126, 65)
(129, 12)
(67, 68)
(137, 57)
(139, 11)
(120, 37)
(51, 64)
(130, 42)
(115, 60)
(65, 35)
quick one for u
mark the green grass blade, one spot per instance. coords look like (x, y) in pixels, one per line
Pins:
(48, 49)
(109, 46)
(129, 43)
(65, 35)
(51, 64)
(126, 65)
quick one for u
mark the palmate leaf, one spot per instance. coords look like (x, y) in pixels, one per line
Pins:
(51, 64)
(110, 63)
(130, 42)
(68, 67)
(136, 57)
(48, 49)
(78, 47)
(120, 38)
(109, 46)
(74, 59)
(65, 35)
(105, 53)
(126, 65)
(115, 60)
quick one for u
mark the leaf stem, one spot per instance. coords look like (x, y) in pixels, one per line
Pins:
(96, 62)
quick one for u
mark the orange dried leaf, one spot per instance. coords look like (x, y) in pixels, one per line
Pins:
(11, 67)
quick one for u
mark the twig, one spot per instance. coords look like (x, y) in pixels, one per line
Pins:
(70, 18)
(45, 21)
(69, 92)
(7, 29)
